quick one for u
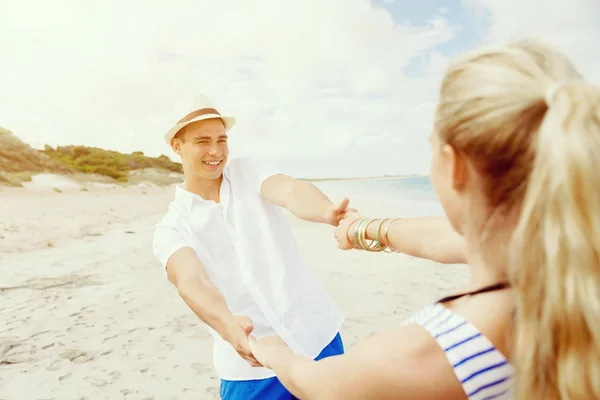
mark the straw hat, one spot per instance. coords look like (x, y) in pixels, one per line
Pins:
(199, 109)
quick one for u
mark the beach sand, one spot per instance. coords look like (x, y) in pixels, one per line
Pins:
(87, 313)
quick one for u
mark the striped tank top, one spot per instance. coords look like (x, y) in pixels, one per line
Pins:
(483, 371)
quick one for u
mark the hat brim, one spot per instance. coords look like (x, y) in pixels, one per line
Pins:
(229, 122)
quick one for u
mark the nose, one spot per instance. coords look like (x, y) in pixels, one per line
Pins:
(214, 151)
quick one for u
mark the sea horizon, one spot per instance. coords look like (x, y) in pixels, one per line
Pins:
(358, 178)
(401, 196)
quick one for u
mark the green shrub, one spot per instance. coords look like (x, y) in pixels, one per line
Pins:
(107, 162)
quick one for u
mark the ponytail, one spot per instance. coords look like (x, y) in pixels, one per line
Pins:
(555, 264)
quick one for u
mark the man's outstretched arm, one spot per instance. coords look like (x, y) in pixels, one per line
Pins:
(187, 273)
(303, 199)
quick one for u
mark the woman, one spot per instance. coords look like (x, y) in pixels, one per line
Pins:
(516, 167)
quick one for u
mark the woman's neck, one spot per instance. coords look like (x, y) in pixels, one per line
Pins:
(487, 258)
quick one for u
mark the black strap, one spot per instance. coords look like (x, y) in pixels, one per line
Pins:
(490, 288)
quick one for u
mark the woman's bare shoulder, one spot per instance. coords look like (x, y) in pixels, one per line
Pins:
(492, 315)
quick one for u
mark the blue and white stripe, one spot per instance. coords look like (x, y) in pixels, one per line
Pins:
(483, 371)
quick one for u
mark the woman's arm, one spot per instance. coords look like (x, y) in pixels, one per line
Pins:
(400, 363)
(432, 238)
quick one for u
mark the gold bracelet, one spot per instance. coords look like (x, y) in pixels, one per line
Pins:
(352, 242)
(356, 234)
(373, 246)
(378, 236)
(360, 234)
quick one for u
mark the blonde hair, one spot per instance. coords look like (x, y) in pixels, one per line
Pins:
(541, 157)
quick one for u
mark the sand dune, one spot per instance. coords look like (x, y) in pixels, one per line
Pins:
(87, 312)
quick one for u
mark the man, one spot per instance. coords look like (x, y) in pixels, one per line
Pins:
(228, 250)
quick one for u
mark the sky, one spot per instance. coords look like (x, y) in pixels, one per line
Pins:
(320, 88)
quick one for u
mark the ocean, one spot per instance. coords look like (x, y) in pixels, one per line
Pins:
(403, 197)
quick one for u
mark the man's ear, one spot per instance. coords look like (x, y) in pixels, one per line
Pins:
(176, 145)
(456, 165)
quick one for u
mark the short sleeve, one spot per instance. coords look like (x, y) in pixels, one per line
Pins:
(262, 170)
(167, 240)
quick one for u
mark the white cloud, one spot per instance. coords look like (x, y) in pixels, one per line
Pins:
(308, 81)
(572, 26)
(306, 78)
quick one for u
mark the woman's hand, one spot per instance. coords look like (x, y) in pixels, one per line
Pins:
(342, 233)
(268, 349)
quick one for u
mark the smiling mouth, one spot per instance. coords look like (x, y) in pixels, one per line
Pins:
(212, 164)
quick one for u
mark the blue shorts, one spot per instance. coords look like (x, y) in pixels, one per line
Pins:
(271, 388)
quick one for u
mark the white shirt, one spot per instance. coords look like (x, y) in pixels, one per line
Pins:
(250, 255)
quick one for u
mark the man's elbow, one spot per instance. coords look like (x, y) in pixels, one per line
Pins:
(295, 189)
(181, 276)
(189, 286)
(279, 190)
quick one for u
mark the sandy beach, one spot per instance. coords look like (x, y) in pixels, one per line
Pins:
(87, 313)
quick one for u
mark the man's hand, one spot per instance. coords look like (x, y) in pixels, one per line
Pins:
(336, 212)
(268, 349)
(236, 333)
(303, 199)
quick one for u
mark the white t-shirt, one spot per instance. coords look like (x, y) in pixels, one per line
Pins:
(250, 255)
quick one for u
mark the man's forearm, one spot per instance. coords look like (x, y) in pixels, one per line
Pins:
(432, 238)
(307, 202)
(207, 302)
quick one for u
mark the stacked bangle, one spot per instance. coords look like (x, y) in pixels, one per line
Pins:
(360, 240)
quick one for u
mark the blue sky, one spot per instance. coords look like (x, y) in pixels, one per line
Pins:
(472, 27)
(319, 87)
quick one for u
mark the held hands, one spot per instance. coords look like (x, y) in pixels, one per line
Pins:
(267, 349)
(358, 232)
(336, 212)
(342, 231)
(236, 333)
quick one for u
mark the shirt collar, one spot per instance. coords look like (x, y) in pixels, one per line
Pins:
(187, 198)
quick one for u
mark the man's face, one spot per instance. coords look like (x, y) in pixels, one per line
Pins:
(203, 149)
